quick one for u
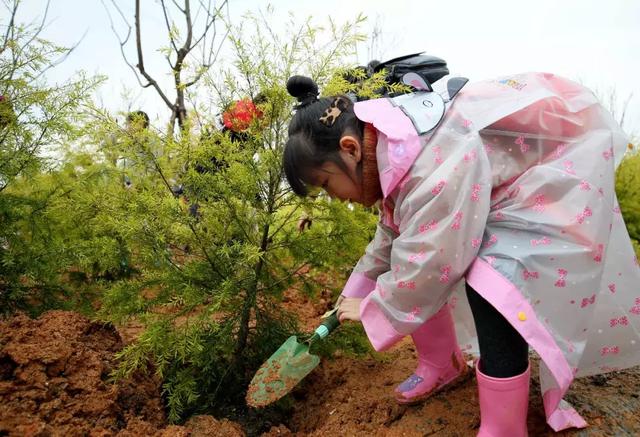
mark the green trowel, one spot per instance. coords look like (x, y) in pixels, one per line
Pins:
(288, 365)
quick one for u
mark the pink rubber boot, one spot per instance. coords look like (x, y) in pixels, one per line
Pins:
(440, 362)
(503, 404)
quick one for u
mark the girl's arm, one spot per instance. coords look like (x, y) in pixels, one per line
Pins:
(443, 221)
(373, 263)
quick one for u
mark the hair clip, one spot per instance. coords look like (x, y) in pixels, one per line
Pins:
(337, 107)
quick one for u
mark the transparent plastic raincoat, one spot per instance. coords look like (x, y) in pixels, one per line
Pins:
(509, 185)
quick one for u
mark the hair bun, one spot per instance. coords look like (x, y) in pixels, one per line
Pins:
(303, 88)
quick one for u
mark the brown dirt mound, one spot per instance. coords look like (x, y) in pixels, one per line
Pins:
(54, 380)
(354, 397)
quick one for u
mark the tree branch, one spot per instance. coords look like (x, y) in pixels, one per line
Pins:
(13, 10)
(182, 50)
(178, 6)
(166, 20)
(151, 80)
(123, 42)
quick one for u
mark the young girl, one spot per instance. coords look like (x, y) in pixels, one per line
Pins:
(508, 184)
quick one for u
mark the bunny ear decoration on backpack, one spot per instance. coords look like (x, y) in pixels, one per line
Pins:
(416, 81)
(454, 84)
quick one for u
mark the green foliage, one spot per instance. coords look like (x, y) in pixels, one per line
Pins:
(208, 284)
(361, 85)
(35, 119)
(628, 191)
(203, 269)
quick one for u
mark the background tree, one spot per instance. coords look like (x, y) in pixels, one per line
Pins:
(36, 118)
(628, 173)
(193, 48)
(628, 191)
(210, 283)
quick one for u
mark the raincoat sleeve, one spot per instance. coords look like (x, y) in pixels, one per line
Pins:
(374, 262)
(442, 220)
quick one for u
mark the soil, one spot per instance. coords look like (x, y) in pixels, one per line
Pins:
(348, 396)
(354, 396)
(54, 382)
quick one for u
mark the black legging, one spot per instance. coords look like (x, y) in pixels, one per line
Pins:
(503, 352)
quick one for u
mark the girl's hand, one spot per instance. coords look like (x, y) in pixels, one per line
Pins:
(339, 301)
(349, 309)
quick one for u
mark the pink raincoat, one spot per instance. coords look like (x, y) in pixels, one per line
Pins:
(513, 191)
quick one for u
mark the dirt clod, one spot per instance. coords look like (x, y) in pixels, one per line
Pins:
(54, 381)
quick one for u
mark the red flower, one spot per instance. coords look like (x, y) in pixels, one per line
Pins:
(239, 116)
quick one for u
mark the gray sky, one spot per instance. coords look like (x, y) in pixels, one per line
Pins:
(594, 42)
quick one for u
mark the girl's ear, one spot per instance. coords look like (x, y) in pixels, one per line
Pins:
(351, 145)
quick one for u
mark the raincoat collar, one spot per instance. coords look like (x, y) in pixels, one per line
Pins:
(399, 140)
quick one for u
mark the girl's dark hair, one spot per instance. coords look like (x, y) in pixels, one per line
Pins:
(312, 143)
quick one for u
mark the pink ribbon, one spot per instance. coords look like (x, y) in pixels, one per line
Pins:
(428, 226)
(414, 312)
(524, 147)
(468, 157)
(492, 240)
(436, 190)
(636, 309)
(622, 321)
(539, 203)
(544, 241)
(445, 271)
(562, 276)
(453, 302)
(585, 186)
(475, 192)
(416, 257)
(588, 301)
(597, 257)
(568, 167)
(411, 285)
(584, 214)
(609, 350)
(457, 218)
(436, 151)
(560, 150)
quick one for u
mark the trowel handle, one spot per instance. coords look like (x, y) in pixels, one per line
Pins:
(328, 325)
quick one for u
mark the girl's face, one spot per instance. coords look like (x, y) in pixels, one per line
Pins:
(338, 183)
